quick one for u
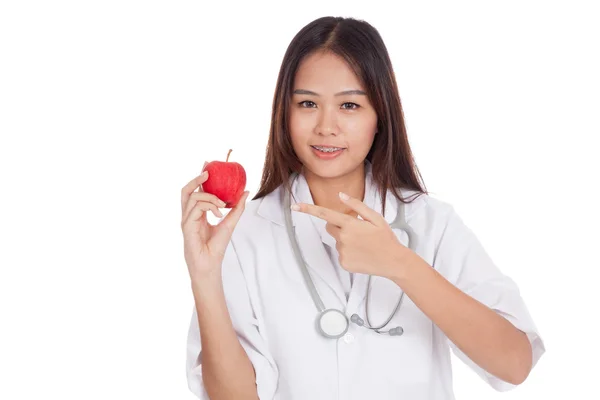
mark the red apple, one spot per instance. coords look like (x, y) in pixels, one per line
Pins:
(226, 180)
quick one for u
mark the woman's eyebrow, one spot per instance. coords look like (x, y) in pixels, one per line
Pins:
(344, 93)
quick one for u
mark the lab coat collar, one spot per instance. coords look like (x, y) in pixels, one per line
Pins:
(312, 232)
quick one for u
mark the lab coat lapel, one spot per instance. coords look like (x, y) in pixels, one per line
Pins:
(317, 259)
(312, 246)
(357, 293)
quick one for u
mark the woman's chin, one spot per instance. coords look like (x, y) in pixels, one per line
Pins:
(328, 171)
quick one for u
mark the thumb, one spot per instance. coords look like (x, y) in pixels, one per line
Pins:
(227, 225)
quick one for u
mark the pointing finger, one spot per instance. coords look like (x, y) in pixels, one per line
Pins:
(367, 213)
(331, 216)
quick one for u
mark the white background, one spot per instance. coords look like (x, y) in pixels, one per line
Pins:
(107, 108)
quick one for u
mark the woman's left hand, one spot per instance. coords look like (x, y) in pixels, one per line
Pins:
(367, 246)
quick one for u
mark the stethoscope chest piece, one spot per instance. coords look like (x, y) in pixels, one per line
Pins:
(332, 323)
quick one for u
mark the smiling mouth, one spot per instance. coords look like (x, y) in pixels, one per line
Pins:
(327, 149)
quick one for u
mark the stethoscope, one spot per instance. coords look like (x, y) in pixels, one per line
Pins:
(333, 323)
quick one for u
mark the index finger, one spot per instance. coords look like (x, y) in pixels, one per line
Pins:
(192, 185)
(331, 216)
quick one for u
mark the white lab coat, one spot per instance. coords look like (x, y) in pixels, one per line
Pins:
(274, 314)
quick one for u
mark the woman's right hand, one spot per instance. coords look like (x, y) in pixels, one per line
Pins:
(205, 244)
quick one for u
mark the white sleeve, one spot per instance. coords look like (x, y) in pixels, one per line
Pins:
(247, 328)
(464, 261)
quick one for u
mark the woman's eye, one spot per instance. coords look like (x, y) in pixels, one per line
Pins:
(306, 104)
(351, 106)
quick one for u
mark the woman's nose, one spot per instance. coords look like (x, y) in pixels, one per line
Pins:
(327, 124)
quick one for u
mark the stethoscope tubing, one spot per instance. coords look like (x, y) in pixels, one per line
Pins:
(398, 223)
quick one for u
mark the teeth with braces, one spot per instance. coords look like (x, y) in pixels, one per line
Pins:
(327, 149)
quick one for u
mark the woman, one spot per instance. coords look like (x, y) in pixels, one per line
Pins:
(338, 148)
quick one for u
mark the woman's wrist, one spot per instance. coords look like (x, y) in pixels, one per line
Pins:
(207, 283)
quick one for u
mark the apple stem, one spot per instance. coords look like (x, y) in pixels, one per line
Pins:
(227, 159)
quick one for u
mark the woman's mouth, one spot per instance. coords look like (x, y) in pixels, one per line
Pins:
(327, 152)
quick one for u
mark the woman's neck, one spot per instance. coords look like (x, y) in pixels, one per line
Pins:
(325, 191)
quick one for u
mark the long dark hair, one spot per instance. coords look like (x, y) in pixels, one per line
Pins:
(362, 47)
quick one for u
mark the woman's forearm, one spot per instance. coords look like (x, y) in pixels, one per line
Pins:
(487, 338)
(226, 369)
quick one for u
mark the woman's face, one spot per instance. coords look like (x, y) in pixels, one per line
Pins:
(330, 108)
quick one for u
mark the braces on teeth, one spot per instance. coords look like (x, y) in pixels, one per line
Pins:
(327, 150)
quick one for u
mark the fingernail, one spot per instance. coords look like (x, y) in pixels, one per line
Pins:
(344, 196)
(204, 174)
(222, 203)
(295, 207)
